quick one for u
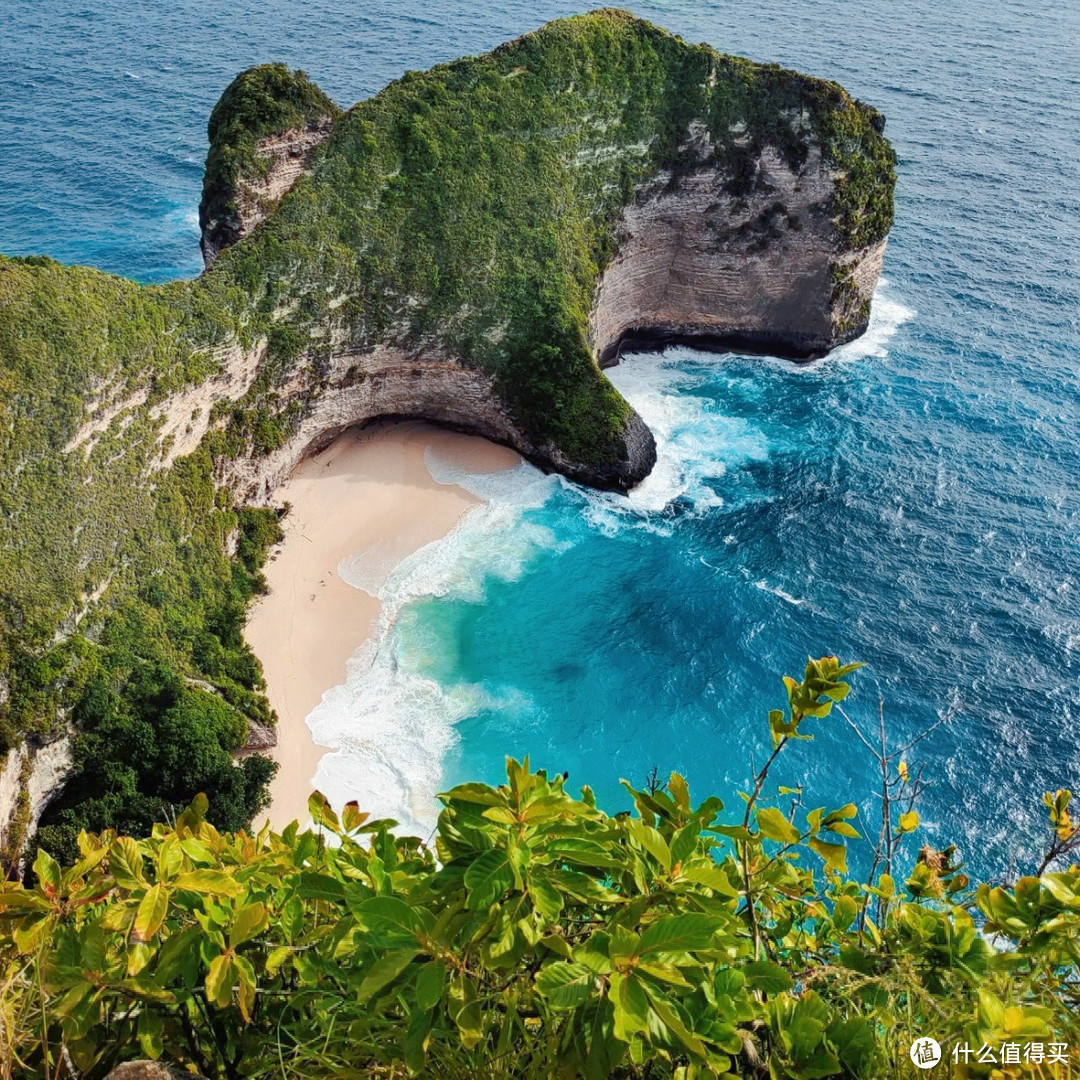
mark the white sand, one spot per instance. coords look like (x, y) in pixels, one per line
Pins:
(368, 499)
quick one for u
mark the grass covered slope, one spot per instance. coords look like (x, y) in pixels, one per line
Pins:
(441, 246)
(120, 608)
(469, 210)
(541, 937)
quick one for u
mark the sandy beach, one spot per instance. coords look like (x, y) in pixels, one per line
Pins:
(367, 499)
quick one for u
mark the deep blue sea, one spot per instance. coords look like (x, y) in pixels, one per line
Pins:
(912, 501)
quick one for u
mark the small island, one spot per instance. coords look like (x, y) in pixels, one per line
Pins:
(471, 246)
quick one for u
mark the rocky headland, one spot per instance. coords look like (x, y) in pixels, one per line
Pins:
(470, 246)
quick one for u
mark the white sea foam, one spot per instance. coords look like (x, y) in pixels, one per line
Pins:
(393, 720)
(696, 444)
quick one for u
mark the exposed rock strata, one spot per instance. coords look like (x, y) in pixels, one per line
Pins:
(752, 269)
(260, 737)
(361, 387)
(723, 249)
(281, 159)
(30, 778)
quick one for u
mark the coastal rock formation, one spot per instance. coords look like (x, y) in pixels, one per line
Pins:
(263, 133)
(283, 158)
(31, 776)
(469, 246)
(752, 267)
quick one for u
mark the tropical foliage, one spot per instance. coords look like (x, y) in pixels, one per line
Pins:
(537, 937)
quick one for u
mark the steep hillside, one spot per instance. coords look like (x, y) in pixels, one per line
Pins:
(468, 246)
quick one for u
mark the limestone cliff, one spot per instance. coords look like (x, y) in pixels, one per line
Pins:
(470, 246)
(487, 235)
(262, 135)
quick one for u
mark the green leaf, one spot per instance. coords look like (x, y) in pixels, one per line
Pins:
(668, 973)
(842, 828)
(352, 817)
(679, 791)
(209, 882)
(276, 958)
(766, 976)
(248, 921)
(684, 843)
(774, 826)
(389, 914)
(631, 1006)
(178, 955)
(219, 980)
(678, 934)
(668, 1016)
(246, 983)
(651, 841)
(835, 855)
(414, 1045)
(465, 1011)
(150, 913)
(855, 1043)
(150, 1029)
(430, 984)
(566, 986)
(29, 934)
(126, 863)
(583, 852)
(712, 877)
(321, 812)
(313, 886)
(844, 912)
(487, 878)
(557, 944)
(736, 832)
(14, 897)
(480, 794)
(546, 899)
(384, 971)
(138, 956)
(170, 857)
(197, 851)
(47, 870)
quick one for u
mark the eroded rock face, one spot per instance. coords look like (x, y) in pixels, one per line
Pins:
(360, 387)
(281, 158)
(720, 252)
(145, 1069)
(716, 262)
(30, 778)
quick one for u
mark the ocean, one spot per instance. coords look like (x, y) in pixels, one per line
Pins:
(912, 501)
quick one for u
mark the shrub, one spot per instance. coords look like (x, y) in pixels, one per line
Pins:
(538, 937)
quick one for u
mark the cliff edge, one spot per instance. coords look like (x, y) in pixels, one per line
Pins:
(470, 246)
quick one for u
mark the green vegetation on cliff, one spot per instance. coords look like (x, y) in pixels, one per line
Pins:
(470, 209)
(262, 102)
(112, 574)
(540, 937)
(464, 214)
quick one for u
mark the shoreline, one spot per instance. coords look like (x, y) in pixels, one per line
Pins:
(367, 500)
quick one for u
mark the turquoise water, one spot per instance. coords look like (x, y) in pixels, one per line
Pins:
(912, 501)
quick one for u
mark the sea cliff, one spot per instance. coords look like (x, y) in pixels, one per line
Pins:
(469, 246)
